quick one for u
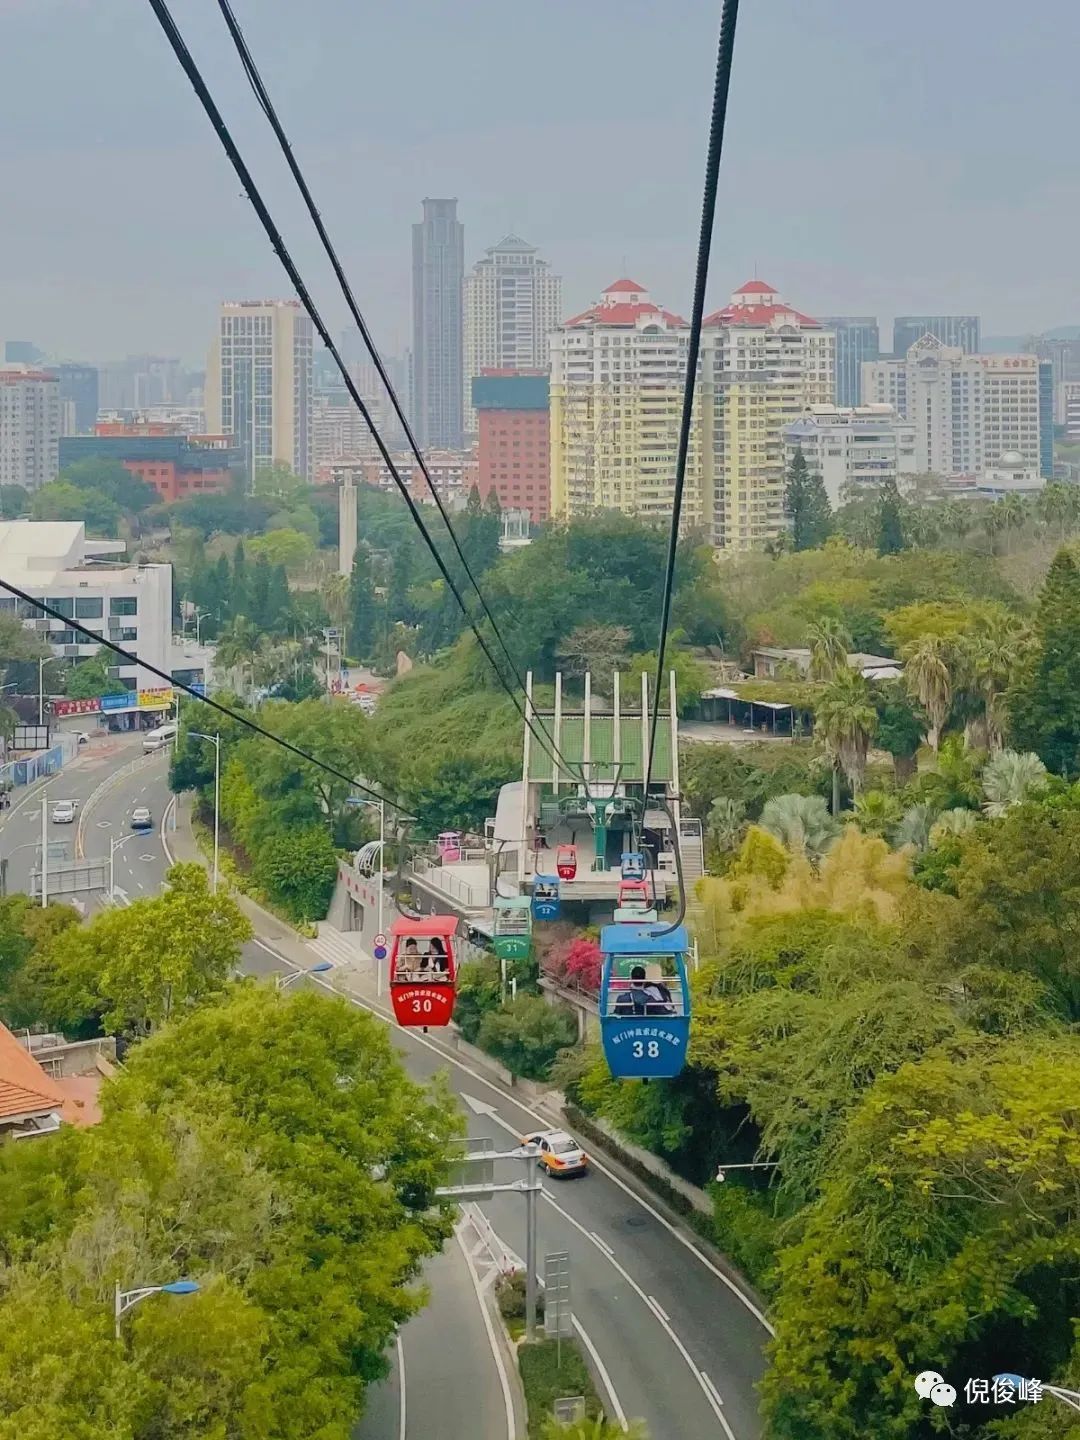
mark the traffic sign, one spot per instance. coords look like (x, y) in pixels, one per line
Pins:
(380, 952)
(380, 940)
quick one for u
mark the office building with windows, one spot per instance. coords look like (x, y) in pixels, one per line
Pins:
(854, 450)
(90, 581)
(968, 410)
(514, 448)
(857, 340)
(259, 383)
(512, 304)
(29, 426)
(961, 332)
(78, 398)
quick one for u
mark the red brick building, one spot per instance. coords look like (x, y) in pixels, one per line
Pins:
(175, 464)
(515, 446)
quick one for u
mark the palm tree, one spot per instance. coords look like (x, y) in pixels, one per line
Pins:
(993, 522)
(993, 656)
(801, 823)
(829, 644)
(1013, 515)
(1056, 505)
(914, 828)
(876, 812)
(952, 822)
(926, 672)
(335, 594)
(845, 717)
(237, 647)
(1009, 779)
(956, 518)
(727, 820)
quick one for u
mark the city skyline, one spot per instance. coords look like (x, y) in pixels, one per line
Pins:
(963, 242)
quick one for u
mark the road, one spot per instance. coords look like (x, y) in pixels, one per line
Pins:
(675, 1341)
(20, 827)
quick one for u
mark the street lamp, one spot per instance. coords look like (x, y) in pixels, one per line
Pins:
(1067, 1397)
(380, 805)
(215, 740)
(320, 968)
(721, 1173)
(127, 1299)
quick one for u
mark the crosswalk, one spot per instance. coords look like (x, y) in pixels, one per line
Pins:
(339, 948)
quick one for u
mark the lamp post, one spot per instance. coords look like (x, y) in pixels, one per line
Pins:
(127, 1299)
(215, 740)
(320, 968)
(380, 805)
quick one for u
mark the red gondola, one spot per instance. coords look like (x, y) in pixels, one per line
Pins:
(423, 971)
(634, 894)
(566, 862)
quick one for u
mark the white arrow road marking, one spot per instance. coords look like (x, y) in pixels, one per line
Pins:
(481, 1107)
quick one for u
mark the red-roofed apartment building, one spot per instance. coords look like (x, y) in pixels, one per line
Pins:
(617, 373)
(35, 1103)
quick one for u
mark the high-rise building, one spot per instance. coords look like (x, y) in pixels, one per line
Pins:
(968, 410)
(78, 398)
(22, 352)
(514, 450)
(616, 398)
(259, 383)
(959, 331)
(438, 274)
(512, 304)
(29, 426)
(852, 449)
(857, 341)
(764, 364)
(1070, 406)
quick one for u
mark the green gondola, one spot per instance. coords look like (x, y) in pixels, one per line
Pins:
(513, 927)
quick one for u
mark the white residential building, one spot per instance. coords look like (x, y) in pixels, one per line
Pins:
(852, 449)
(259, 383)
(763, 365)
(87, 580)
(968, 410)
(30, 423)
(512, 304)
(1069, 403)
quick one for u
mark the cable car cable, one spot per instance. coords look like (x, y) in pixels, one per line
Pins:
(266, 104)
(241, 719)
(721, 88)
(198, 84)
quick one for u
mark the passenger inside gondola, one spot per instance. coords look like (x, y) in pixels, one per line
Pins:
(644, 992)
(423, 960)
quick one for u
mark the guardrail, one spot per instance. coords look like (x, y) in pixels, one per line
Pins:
(441, 878)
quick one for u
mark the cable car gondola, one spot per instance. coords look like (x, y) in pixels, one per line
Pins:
(634, 893)
(644, 1000)
(566, 861)
(513, 927)
(633, 865)
(545, 897)
(633, 915)
(423, 971)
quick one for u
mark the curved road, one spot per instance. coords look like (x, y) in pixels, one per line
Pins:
(675, 1341)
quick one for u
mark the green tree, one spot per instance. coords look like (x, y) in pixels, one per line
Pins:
(596, 649)
(801, 823)
(363, 606)
(929, 681)
(845, 717)
(829, 645)
(890, 534)
(91, 677)
(131, 493)
(527, 1034)
(1009, 779)
(280, 486)
(691, 676)
(806, 505)
(480, 531)
(60, 501)
(14, 502)
(1044, 702)
(899, 728)
(299, 870)
(289, 548)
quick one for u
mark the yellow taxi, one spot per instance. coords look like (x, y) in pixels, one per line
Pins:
(560, 1154)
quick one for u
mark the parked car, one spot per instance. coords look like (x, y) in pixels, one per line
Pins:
(63, 812)
(141, 819)
(560, 1154)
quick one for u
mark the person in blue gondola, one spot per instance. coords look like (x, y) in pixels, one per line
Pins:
(644, 996)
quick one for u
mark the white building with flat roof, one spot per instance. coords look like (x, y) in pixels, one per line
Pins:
(30, 415)
(854, 449)
(88, 581)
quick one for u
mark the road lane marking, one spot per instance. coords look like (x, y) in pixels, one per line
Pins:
(654, 1309)
(601, 1242)
(148, 858)
(659, 1308)
(601, 1370)
(712, 1387)
(500, 1366)
(104, 824)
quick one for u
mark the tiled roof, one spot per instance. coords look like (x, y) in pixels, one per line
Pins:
(755, 287)
(25, 1089)
(627, 314)
(760, 315)
(629, 285)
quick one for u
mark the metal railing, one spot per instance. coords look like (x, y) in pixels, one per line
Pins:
(441, 878)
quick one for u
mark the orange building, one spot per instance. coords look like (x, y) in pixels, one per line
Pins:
(515, 439)
(175, 464)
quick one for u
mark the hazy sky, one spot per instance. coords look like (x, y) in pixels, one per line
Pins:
(880, 157)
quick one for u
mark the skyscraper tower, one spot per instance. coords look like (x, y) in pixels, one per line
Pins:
(438, 277)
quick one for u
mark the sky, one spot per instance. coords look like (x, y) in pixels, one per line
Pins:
(880, 158)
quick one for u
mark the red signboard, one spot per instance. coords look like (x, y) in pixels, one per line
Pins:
(76, 707)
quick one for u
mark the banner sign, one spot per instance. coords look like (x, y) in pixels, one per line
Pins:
(126, 700)
(155, 699)
(76, 707)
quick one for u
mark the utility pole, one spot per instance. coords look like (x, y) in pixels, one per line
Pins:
(44, 847)
(41, 690)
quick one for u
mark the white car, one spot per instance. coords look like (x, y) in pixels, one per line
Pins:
(63, 812)
(560, 1154)
(141, 819)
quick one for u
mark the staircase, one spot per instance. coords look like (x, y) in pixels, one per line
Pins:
(693, 852)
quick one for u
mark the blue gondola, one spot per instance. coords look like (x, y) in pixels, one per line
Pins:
(633, 865)
(644, 1001)
(545, 897)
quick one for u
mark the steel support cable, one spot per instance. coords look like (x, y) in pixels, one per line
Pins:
(267, 106)
(213, 114)
(241, 719)
(721, 87)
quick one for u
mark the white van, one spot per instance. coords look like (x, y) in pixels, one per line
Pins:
(162, 736)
